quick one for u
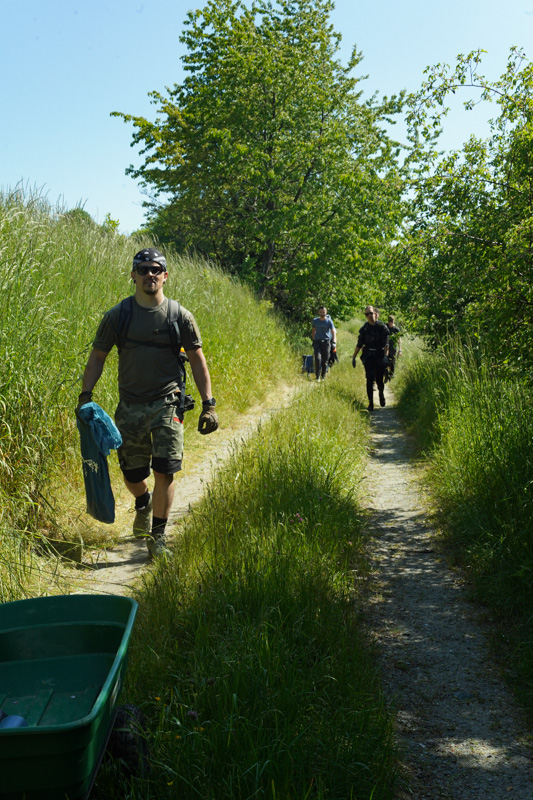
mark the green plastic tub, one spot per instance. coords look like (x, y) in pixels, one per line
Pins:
(62, 662)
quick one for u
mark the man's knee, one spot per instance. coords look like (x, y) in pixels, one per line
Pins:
(163, 478)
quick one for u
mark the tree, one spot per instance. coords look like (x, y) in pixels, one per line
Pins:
(266, 159)
(466, 258)
(79, 214)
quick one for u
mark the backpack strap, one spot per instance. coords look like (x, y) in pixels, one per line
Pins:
(124, 319)
(173, 318)
(173, 315)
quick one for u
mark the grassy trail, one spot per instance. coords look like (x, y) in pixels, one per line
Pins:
(258, 680)
(475, 427)
(118, 567)
(248, 657)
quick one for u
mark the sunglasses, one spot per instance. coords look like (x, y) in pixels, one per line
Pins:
(152, 270)
(370, 313)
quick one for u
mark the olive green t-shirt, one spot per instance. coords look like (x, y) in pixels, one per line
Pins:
(147, 366)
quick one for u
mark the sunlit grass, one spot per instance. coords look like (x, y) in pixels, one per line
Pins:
(248, 654)
(58, 274)
(248, 657)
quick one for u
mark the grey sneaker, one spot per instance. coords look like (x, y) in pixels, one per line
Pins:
(157, 547)
(142, 524)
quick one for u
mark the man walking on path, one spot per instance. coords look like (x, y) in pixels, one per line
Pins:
(373, 340)
(149, 415)
(395, 344)
(323, 335)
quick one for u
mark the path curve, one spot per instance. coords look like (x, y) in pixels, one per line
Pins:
(462, 734)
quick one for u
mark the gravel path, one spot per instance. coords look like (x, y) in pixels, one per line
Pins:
(461, 733)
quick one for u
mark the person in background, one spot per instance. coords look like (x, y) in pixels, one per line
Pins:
(395, 344)
(324, 339)
(373, 341)
(149, 415)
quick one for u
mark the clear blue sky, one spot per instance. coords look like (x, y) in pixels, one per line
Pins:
(66, 64)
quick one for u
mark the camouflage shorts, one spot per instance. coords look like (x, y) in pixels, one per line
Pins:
(152, 433)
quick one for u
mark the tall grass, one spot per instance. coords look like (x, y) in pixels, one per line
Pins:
(257, 681)
(481, 478)
(423, 385)
(58, 274)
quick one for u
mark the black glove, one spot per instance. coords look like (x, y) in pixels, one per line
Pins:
(83, 399)
(208, 421)
(354, 362)
(385, 361)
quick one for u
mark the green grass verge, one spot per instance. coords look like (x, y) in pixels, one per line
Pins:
(248, 656)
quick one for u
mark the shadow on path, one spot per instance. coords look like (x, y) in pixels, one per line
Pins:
(463, 737)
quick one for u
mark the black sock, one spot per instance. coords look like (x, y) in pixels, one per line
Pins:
(142, 501)
(158, 527)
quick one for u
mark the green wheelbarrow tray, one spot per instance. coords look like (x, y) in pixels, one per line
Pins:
(62, 662)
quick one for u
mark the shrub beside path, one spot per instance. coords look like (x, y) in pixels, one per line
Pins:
(462, 735)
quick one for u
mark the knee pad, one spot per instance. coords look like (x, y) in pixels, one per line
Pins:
(167, 466)
(136, 475)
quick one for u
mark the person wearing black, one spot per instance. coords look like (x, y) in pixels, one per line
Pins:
(395, 344)
(373, 340)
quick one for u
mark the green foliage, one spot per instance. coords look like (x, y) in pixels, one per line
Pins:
(266, 158)
(110, 224)
(466, 258)
(258, 681)
(79, 214)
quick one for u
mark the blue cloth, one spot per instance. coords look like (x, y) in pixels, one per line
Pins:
(98, 436)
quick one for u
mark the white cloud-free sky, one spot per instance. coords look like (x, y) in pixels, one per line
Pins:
(65, 65)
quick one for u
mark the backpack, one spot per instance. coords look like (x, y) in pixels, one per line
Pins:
(374, 336)
(173, 312)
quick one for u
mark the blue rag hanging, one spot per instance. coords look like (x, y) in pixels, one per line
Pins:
(98, 436)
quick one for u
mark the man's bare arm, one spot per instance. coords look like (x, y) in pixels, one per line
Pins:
(200, 372)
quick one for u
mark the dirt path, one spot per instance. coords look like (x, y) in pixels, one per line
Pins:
(117, 569)
(463, 737)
